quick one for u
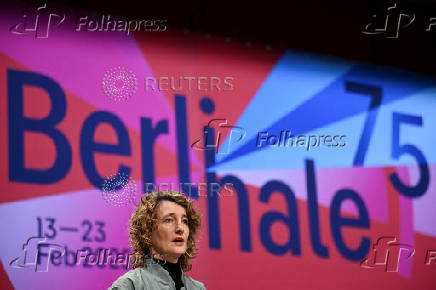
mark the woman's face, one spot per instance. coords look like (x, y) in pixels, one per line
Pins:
(169, 238)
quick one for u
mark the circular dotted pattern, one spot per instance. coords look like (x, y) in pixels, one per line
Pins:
(122, 196)
(119, 83)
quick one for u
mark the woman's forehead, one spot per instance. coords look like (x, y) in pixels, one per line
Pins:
(166, 207)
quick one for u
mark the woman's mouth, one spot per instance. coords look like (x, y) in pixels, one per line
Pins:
(179, 241)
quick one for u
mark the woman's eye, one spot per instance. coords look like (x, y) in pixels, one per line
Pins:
(185, 221)
(167, 220)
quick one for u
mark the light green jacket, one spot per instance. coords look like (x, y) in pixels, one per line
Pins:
(152, 277)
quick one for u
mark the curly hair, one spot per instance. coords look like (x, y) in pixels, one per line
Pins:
(144, 221)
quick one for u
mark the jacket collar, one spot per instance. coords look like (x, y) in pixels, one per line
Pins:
(154, 267)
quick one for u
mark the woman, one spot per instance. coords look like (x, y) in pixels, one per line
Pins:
(162, 234)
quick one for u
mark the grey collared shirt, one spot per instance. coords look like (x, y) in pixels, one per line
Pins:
(153, 276)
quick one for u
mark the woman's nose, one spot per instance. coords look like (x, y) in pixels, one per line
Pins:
(179, 226)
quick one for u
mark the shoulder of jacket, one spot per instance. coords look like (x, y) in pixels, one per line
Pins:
(130, 280)
(197, 284)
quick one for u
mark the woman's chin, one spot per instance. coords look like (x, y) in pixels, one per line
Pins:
(177, 253)
(178, 250)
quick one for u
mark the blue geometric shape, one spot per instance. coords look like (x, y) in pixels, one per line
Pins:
(422, 104)
(294, 79)
(334, 103)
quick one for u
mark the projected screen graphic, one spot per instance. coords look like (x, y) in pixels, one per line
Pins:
(309, 171)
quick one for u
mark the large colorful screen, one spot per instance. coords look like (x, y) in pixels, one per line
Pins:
(310, 172)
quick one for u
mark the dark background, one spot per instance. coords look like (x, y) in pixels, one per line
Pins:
(325, 27)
